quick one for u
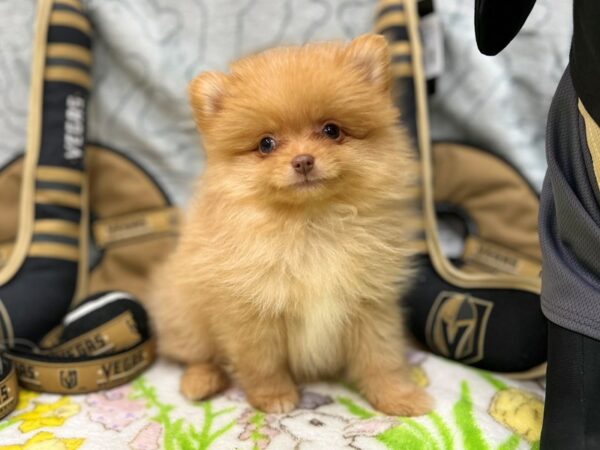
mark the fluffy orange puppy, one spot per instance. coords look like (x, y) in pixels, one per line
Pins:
(294, 252)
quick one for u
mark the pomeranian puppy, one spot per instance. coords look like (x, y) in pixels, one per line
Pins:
(294, 253)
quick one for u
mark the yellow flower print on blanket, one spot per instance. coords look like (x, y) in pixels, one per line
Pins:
(520, 411)
(47, 415)
(46, 441)
(25, 398)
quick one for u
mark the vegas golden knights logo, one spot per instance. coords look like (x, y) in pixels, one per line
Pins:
(68, 378)
(456, 326)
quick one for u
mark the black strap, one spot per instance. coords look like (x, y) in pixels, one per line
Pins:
(102, 343)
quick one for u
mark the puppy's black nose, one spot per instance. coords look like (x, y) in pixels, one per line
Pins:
(303, 163)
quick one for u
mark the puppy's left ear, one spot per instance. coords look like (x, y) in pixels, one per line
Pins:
(370, 55)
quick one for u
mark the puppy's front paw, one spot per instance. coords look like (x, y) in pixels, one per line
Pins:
(400, 399)
(275, 402)
(200, 381)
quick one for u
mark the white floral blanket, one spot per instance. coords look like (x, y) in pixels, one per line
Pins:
(475, 410)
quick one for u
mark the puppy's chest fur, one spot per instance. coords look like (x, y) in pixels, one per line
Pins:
(321, 280)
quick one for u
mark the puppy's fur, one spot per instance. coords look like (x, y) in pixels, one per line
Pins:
(282, 277)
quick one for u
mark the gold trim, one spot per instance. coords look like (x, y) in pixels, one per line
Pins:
(68, 75)
(5, 251)
(400, 48)
(592, 136)
(401, 70)
(57, 227)
(54, 250)
(73, 3)
(136, 225)
(499, 258)
(115, 335)
(61, 198)
(26, 206)
(59, 175)
(535, 372)
(391, 19)
(71, 19)
(70, 51)
(442, 266)
(9, 326)
(81, 288)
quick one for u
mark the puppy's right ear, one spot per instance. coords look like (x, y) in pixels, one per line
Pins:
(206, 93)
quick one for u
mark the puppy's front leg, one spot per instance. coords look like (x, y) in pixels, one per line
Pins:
(259, 360)
(377, 363)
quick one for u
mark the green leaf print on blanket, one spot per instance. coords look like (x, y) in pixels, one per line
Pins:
(178, 434)
(432, 432)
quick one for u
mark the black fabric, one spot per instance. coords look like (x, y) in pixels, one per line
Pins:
(570, 220)
(39, 296)
(5, 368)
(585, 54)
(497, 22)
(515, 337)
(57, 186)
(401, 58)
(53, 124)
(42, 237)
(53, 212)
(571, 413)
(68, 35)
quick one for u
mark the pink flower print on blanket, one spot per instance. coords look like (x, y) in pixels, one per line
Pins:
(114, 409)
(370, 427)
(259, 428)
(148, 438)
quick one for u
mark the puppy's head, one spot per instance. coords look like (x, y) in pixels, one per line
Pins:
(299, 124)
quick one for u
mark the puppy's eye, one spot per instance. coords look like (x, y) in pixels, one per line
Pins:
(267, 145)
(332, 131)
